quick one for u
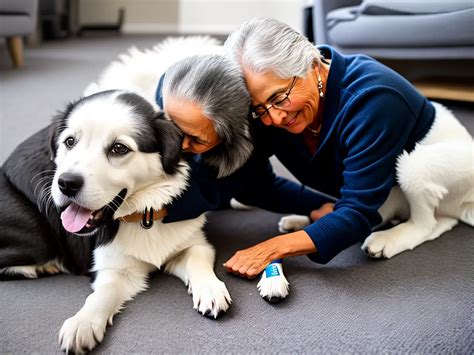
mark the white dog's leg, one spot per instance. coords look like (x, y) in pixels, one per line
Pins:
(273, 286)
(112, 288)
(195, 266)
(424, 176)
(396, 206)
(292, 223)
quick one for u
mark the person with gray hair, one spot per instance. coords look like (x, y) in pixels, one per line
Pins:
(206, 97)
(338, 123)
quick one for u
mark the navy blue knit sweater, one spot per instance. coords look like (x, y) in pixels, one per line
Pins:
(371, 115)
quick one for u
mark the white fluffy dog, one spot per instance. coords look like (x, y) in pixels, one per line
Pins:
(107, 171)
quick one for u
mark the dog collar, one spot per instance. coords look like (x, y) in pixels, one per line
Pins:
(145, 218)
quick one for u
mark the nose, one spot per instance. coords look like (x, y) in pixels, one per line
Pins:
(276, 116)
(70, 184)
(185, 144)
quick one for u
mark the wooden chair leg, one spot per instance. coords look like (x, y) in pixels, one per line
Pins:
(15, 47)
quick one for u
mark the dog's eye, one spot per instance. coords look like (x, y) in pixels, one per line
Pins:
(120, 149)
(70, 142)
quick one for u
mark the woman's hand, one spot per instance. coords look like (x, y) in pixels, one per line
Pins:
(252, 261)
(322, 211)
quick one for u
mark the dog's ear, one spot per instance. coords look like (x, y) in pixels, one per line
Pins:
(58, 125)
(169, 139)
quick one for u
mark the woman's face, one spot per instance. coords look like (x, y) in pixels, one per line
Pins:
(199, 133)
(304, 99)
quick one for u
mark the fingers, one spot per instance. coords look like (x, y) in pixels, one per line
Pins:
(243, 267)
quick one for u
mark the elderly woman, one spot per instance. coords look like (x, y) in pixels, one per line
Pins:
(338, 123)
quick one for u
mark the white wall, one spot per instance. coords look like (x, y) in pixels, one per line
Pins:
(188, 16)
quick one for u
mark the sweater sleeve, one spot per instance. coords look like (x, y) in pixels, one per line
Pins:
(372, 134)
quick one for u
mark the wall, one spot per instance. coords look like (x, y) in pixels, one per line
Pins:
(188, 16)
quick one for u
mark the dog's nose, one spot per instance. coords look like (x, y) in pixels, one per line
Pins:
(70, 184)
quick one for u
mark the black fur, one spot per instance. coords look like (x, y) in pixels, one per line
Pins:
(30, 230)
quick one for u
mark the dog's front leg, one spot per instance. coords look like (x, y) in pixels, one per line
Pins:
(195, 266)
(112, 288)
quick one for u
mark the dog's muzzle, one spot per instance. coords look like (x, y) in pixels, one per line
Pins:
(82, 221)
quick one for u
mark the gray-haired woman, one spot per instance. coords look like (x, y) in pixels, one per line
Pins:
(339, 123)
(206, 97)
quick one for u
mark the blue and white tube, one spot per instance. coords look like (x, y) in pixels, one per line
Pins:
(273, 286)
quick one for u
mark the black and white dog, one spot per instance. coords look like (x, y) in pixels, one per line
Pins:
(113, 156)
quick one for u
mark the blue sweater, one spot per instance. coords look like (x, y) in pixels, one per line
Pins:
(371, 115)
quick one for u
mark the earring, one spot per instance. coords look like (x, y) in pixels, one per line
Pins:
(320, 81)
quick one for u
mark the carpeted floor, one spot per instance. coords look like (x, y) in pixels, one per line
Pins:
(419, 302)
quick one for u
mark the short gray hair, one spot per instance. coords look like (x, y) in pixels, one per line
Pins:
(216, 84)
(265, 45)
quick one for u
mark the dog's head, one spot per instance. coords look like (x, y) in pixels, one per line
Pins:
(107, 147)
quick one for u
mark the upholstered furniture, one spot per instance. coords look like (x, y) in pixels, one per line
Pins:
(409, 29)
(17, 19)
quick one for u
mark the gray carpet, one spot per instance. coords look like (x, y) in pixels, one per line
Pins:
(419, 302)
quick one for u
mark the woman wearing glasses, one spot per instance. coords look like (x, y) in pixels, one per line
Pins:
(338, 123)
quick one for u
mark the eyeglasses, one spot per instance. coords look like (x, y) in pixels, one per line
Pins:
(279, 101)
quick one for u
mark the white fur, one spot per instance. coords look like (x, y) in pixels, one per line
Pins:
(139, 71)
(123, 266)
(436, 190)
(292, 222)
(275, 286)
(436, 183)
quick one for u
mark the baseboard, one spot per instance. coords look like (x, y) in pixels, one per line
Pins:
(448, 90)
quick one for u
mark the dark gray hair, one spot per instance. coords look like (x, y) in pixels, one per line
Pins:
(216, 84)
(265, 45)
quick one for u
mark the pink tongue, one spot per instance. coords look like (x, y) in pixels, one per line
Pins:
(75, 217)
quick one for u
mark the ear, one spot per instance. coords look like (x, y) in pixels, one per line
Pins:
(169, 139)
(58, 125)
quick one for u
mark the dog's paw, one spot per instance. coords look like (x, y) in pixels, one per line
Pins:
(384, 244)
(293, 222)
(273, 286)
(82, 332)
(211, 298)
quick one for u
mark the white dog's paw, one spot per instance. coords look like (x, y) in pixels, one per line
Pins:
(293, 222)
(210, 297)
(384, 244)
(273, 286)
(82, 332)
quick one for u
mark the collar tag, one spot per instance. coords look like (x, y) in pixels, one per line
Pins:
(147, 221)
